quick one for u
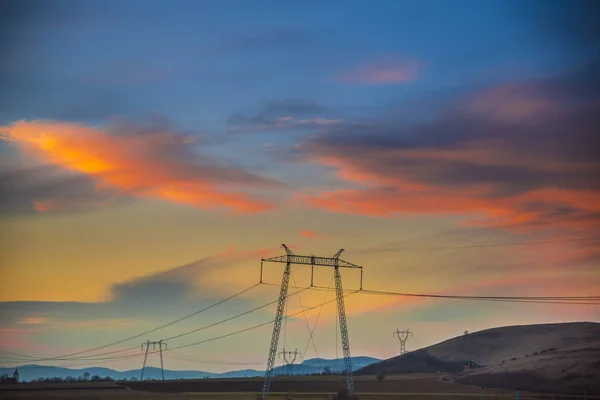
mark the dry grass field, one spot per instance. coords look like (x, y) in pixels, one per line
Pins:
(401, 387)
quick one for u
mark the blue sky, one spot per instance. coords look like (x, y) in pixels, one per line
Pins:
(139, 137)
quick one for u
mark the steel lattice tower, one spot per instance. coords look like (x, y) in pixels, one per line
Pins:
(402, 337)
(160, 344)
(289, 358)
(335, 262)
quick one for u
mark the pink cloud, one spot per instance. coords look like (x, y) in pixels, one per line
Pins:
(387, 70)
(310, 234)
(34, 321)
(511, 102)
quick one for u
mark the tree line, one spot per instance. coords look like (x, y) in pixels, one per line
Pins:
(85, 377)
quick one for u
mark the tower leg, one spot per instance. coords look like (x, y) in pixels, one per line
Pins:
(276, 329)
(162, 369)
(145, 358)
(344, 330)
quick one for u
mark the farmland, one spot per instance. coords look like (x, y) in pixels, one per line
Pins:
(398, 387)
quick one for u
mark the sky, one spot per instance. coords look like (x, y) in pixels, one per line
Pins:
(153, 152)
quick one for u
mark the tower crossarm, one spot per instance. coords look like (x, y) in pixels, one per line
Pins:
(311, 260)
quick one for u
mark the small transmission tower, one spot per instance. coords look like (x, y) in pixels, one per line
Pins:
(289, 358)
(288, 259)
(402, 337)
(160, 345)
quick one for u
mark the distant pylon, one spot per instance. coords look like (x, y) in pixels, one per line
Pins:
(160, 344)
(402, 337)
(289, 358)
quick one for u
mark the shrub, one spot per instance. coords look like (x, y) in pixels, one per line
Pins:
(380, 377)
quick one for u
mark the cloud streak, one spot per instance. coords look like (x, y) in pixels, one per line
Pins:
(388, 70)
(518, 156)
(310, 234)
(283, 115)
(142, 161)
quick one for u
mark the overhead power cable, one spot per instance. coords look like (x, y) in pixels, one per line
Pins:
(310, 335)
(312, 331)
(165, 339)
(230, 318)
(70, 359)
(70, 355)
(254, 326)
(466, 297)
(473, 246)
(520, 299)
(95, 361)
(187, 357)
(103, 362)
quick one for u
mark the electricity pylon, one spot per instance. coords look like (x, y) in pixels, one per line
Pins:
(288, 259)
(160, 344)
(402, 337)
(289, 357)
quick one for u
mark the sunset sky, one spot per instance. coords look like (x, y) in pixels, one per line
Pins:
(152, 152)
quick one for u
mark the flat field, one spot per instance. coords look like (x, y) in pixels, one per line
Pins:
(401, 387)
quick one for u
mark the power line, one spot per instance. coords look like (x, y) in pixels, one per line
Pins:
(230, 318)
(31, 358)
(188, 357)
(310, 335)
(176, 336)
(255, 326)
(312, 331)
(393, 249)
(520, 299)
(464, 297)
(95, 361)
(69, 356)
(101, 362)
(170, 338)
(88, 359)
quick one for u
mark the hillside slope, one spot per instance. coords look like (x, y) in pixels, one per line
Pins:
(569, 370)
(563, 356)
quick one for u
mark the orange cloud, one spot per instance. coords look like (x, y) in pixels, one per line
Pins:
(384, 71)
(516, 156)
(33, 321)
(155, 164)
(310, 234)
(478, 202)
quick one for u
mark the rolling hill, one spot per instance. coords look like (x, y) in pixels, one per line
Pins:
(532, 357)
(310, 366)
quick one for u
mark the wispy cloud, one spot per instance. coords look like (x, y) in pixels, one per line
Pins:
(507, 160)
(33, 321)
(140, 161)
(387, 70)
(286, 123)
(310, 234)
(283, 115)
